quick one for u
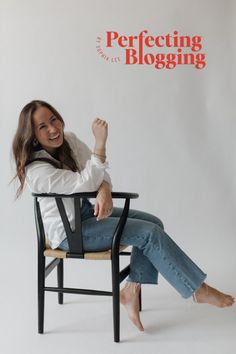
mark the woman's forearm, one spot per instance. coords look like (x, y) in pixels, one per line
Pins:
(105, 186)
(100, 131)
(100, 150)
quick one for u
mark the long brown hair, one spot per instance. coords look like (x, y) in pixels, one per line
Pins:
(23, 147)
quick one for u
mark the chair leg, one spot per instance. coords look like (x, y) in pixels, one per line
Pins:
(116, 297)
(140, 299)
(60, 278)
(41, 292)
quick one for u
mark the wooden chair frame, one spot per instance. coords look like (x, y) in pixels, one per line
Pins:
(75, 241)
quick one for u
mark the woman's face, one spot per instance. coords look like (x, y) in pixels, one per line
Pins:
(48, 129)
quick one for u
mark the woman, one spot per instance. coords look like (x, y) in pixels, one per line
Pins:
(51, 161)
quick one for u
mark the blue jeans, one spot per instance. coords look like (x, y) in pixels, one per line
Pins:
(153, 250)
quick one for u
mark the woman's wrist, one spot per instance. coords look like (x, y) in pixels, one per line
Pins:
(100, 145)
(104, 186)
(99, 155)
(100, 151)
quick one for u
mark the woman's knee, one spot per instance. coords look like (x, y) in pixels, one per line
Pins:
(160, 223)
(138, 214)
(157, 221)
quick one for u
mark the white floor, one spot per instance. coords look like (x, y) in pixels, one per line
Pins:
(83, 324)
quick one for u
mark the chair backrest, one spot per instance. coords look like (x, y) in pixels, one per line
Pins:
(75, 239)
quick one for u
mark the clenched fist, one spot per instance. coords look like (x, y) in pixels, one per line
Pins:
(100, 131)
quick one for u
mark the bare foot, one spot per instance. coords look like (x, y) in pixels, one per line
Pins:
(129, 297)
(209, 295)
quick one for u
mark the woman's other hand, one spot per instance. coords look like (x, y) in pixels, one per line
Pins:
(103, 204)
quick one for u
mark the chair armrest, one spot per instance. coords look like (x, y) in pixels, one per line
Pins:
(121, 195)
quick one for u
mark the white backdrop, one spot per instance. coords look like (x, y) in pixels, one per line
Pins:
(171, 133)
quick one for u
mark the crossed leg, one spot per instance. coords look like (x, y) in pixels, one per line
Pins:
(129, 295)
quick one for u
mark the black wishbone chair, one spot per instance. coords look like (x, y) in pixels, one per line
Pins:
(76, 250)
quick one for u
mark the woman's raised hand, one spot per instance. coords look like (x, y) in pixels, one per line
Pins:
(100, 131)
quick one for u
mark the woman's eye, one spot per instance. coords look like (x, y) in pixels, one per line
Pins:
(42, 126)
(54, 118)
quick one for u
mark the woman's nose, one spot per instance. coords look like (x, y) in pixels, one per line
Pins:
(51, 128)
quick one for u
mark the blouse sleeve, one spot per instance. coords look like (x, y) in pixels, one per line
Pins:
(42, 177)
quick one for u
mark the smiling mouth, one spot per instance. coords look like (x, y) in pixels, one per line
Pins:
(55, 137)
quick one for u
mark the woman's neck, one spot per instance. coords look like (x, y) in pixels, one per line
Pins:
(55, 154)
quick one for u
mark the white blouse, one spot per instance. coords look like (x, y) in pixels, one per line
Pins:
(42, 177)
